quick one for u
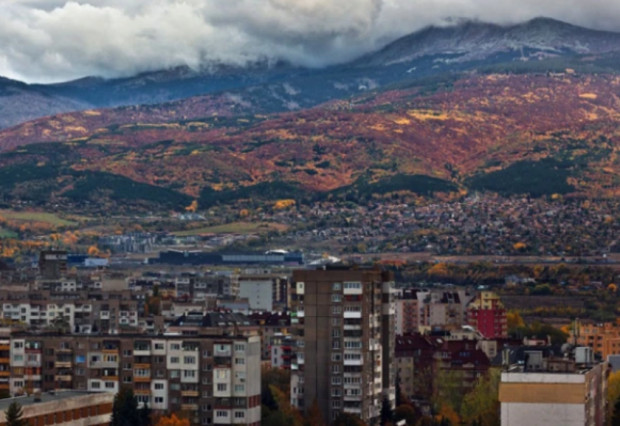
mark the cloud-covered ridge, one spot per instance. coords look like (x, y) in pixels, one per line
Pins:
(54, 40)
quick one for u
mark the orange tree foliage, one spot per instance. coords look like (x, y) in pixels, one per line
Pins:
(172, 420)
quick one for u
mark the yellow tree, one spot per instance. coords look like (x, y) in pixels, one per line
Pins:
(613, 391)
(192, 207)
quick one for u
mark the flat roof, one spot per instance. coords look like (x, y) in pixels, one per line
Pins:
(25, 401)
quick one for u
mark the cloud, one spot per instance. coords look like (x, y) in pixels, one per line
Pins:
(54, 40)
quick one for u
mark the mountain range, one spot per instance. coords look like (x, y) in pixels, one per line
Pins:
(529, 108)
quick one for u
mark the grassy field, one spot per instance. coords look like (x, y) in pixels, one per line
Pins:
(234, 228)
(5, 233)
(27, 216)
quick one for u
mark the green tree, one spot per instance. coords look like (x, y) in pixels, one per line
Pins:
(481, 404)
(615, 416)
(14, 414)
(125, 409)
(386, 411)
(613, 395)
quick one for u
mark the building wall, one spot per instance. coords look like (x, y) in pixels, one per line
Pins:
(554, 398)
(519, 413)
(340, 318)
(170, 373)
(258, 292)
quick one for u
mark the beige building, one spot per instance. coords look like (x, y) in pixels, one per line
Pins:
(574, 394)
(343, 322)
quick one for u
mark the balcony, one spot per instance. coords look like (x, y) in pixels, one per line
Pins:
(189, 407)
(219, 351)
(141, 379)
(142, 352)
(144, 366)
(63, 378)
(62, 364)
(190, 393)
(352, 314)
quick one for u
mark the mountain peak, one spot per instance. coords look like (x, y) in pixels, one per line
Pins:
(474, 41)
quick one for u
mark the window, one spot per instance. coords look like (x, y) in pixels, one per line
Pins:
(96, 385)
(159, 346)
(174, 360)
(109, 385)
(336, 356)
(239, 414)
(175, 347)
(206, 354)
(221, 387)
(221, 413)
(159, 386)
(240, 361)
(189, 360)
(335, 332)
(353, 285)
(336, 310)
(142, 372)
(159, 400)
(189, 373)
(336, 298)
(239, 347)
(336, 287)
(239, 388)
(336, 380)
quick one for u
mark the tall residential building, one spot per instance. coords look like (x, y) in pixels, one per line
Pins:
(487, 313)
(343, 321)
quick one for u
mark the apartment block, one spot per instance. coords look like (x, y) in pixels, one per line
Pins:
(214, 378)
(603, 338)
(342, 320)
(487, 314)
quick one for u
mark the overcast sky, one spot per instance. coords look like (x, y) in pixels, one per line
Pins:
(56, 40)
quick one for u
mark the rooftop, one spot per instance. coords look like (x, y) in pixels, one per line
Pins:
(45, 397)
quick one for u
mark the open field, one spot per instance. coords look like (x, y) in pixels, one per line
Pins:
(5, 233)
(235, 228)
(30, 216)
